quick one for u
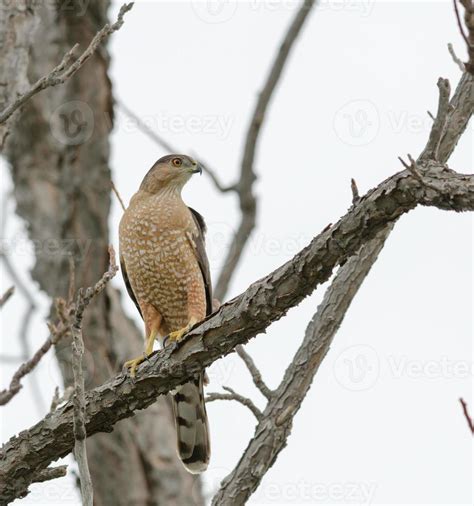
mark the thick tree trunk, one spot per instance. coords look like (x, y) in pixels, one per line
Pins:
(58, 149)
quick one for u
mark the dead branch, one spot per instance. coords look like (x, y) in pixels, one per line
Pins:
(234, 396)
(455, 58)
(247, 200)
(68, 66)
(462, 107)
(254, 372)
(58, 331)
(25, 368)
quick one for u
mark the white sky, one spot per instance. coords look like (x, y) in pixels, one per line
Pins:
(382, 423)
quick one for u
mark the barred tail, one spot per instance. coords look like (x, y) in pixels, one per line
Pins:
(191, 425)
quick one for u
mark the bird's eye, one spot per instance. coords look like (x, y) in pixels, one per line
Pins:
(177, 162)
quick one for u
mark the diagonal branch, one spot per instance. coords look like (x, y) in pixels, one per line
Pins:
(247, 200)
(68, 66)
(264, 302)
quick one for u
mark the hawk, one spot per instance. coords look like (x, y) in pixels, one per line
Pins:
(166, 272)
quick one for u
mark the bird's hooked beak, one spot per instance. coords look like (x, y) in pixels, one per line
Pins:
(197, 168)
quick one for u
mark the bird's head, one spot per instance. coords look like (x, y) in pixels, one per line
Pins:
(170, 172)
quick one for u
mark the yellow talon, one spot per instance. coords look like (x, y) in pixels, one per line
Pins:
(177, 335)
(134, 363)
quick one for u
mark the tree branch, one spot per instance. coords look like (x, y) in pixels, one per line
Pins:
(439, 124)
(239, 320)
(247, 201)
(234, 396)
(254, 372)
(459, 114)
(28, 366)
(68, 66)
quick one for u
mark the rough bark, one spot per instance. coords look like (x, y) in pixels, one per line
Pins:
(17, 22)
(238, 320)
(59, 151)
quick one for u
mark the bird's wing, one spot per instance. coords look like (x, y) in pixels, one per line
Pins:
(128, 285)
(199, 248)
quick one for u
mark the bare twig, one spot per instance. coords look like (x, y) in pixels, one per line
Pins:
(247, 200)
(455, 58)
(68, 66)
(117, 194)
(84, 298)
(255, 373)
(58, 331)
(467, 415)
(234, 396)
(217, 183)
(8, 293)
(25, 368)
(143, 127)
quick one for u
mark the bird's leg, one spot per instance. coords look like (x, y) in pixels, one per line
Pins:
(178, 334)
(135, 362)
